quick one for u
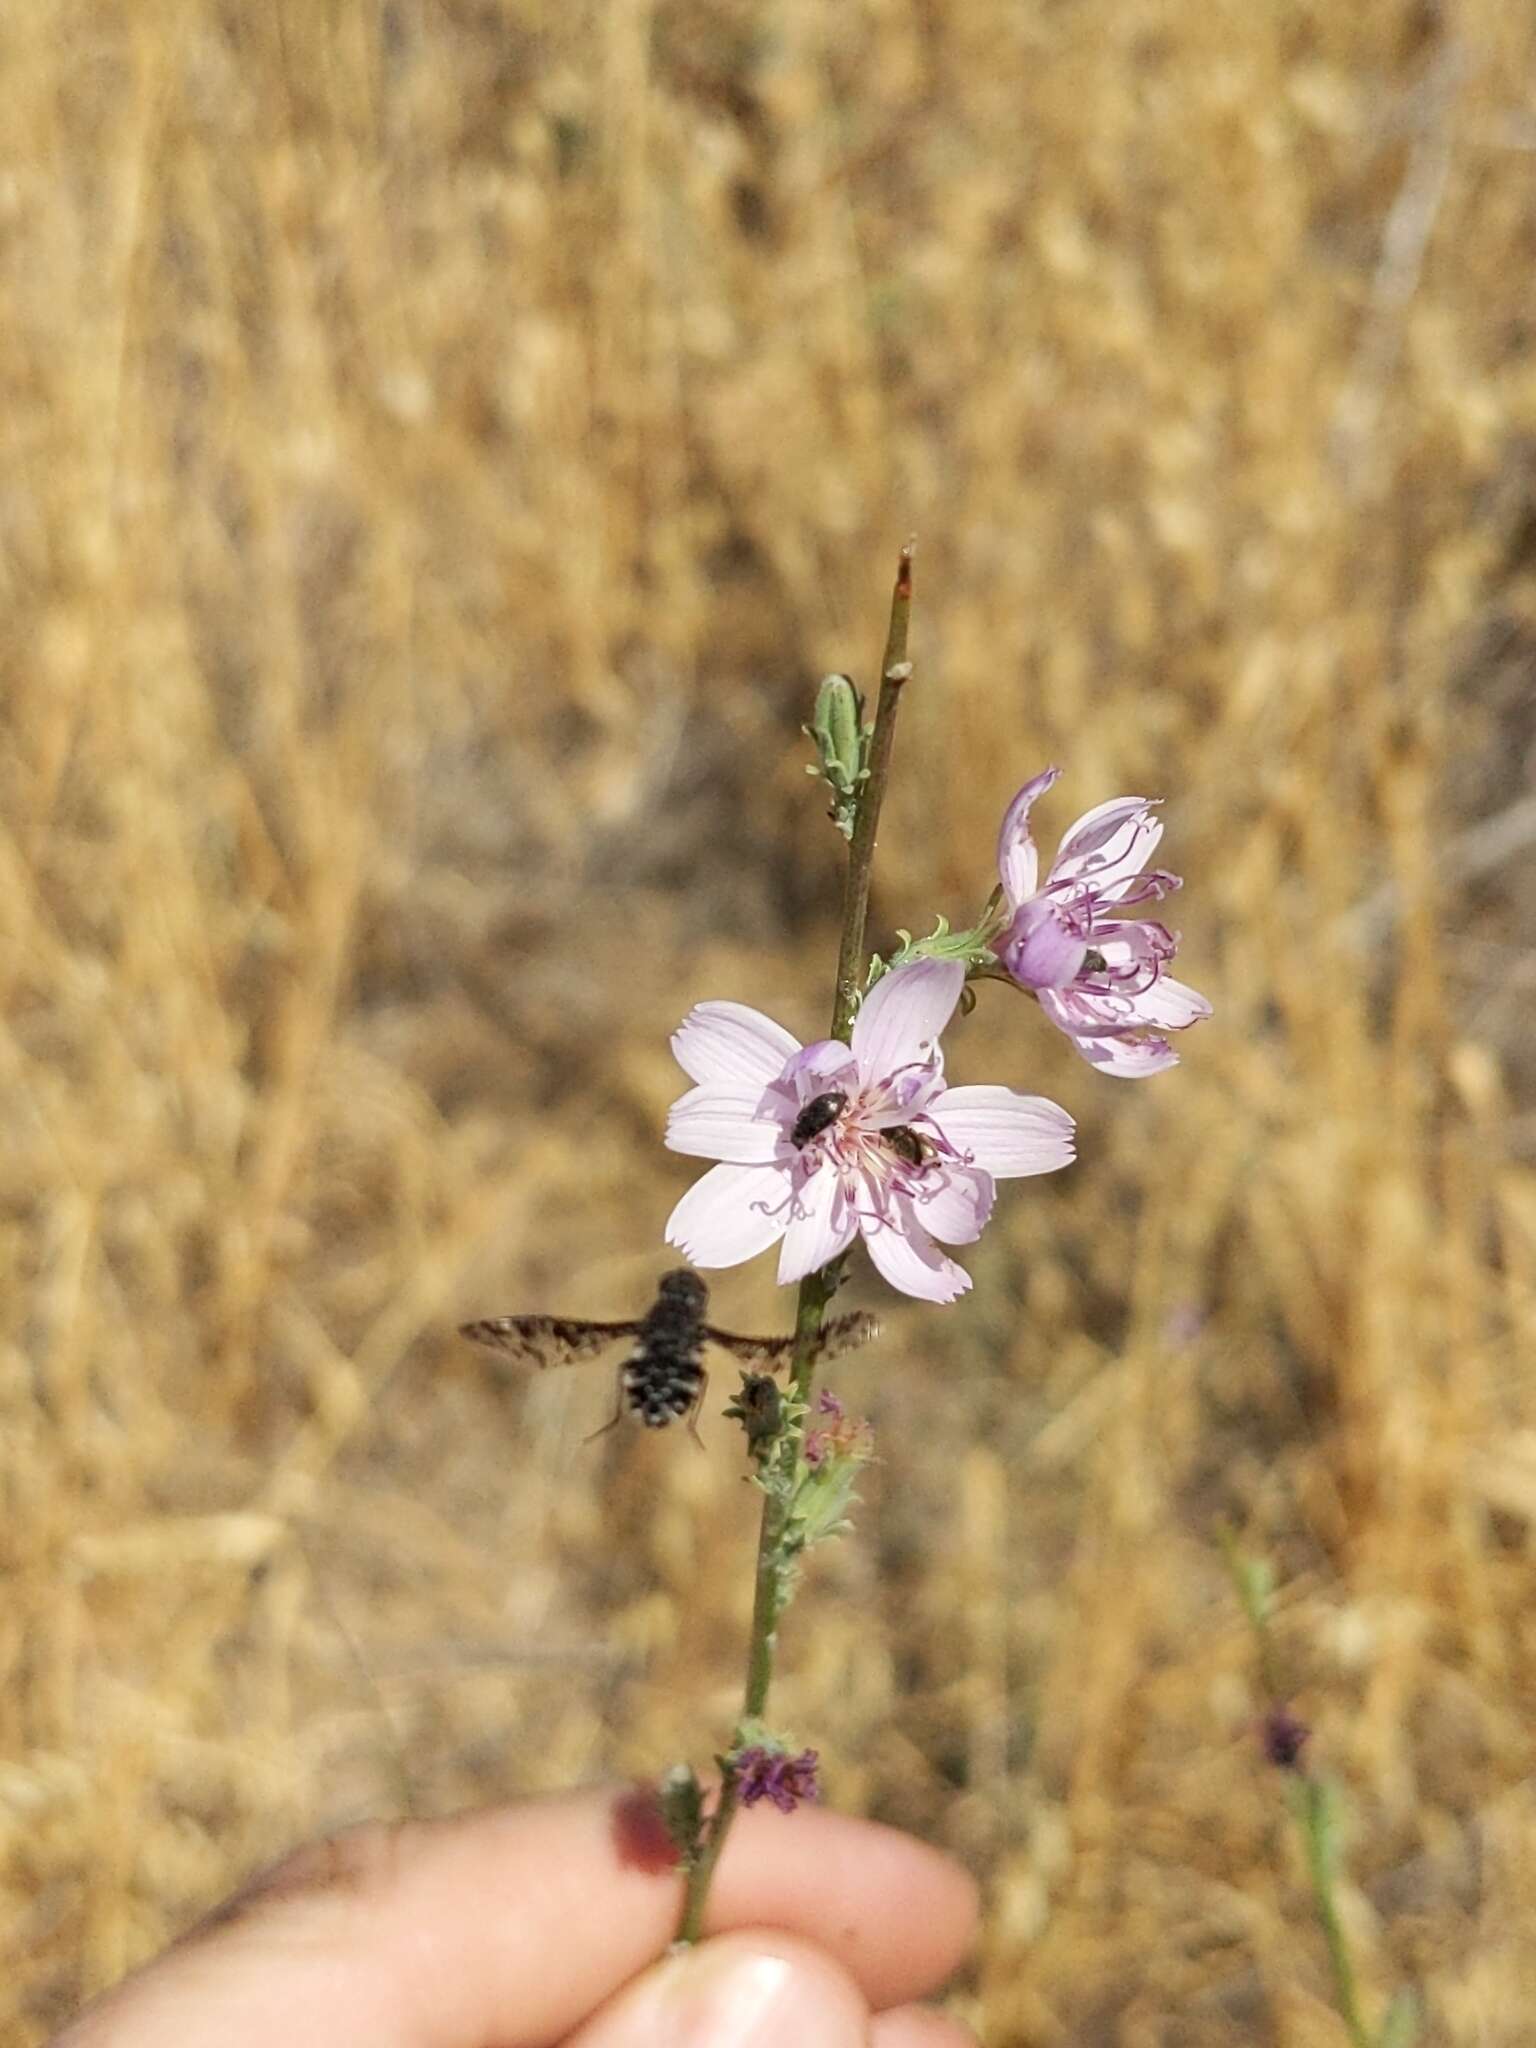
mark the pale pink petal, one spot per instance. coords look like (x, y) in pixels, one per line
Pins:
(823, 1222)
(1171, 1005)
(1018, 861)
(732, 1214)
(825, 1063)
(730, 1042)
(1108, 844)
(1038, 950)
(954, 1202)
(713, 1121)
(1134, 951)
(900, 1020)
(1127, 1059)
(902, 1097)
(1085, 1015)
(1005, 1133)
(908, 1257)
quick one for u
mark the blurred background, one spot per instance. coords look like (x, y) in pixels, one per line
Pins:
(444, 443)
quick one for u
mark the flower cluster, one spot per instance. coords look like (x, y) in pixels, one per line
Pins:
(816, 1145)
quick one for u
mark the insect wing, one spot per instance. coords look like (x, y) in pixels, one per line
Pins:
(770, 1351)
(546, 1341)
(843, 1333)
(847, 1333)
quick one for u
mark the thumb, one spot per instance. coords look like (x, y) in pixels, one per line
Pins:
(738, 1991)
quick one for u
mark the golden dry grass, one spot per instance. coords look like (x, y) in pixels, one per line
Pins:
(444, 440)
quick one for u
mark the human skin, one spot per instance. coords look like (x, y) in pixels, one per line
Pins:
(549, 1922)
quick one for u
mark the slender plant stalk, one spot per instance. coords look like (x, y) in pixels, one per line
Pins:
(1315, 1830)
(1312, 1806)
(816, 1289)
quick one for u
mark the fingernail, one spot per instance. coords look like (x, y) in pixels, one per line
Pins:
(726, 1995)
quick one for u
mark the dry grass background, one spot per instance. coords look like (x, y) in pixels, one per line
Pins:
(444, 441)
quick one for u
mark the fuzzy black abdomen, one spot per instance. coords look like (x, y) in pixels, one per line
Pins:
(659, 1390)
(664, 1375)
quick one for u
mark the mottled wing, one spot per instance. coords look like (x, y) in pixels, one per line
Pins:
(546, 1341)
(842, 1334)
(770, 1351)
(847, 1333)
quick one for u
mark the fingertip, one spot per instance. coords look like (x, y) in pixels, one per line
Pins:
(919, 2026)
(900, 1914)
(750, 1989)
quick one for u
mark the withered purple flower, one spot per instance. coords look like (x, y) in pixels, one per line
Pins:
(763, 1773)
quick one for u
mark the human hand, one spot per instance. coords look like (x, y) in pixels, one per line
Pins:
(548, 1921)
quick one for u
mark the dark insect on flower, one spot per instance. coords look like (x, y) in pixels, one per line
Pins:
(762, 1773)
(1284, 1737)
(818, 1115)
(663, 1378)
(910, 1146)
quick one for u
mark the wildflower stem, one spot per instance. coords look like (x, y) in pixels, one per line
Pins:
(816, 1289)
(1313, 1811)
(894, 671)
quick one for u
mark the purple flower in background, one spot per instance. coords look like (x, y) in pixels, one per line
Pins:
(762, 1773)
(1100, 976)
(1283, 1737)
(821, 1143)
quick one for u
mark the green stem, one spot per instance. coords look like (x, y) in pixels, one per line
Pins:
(818, 1288)
(1316, 1829)
(894, 670)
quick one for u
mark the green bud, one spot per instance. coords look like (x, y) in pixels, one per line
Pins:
(841, 740)
(682, 1809)
(838, 729)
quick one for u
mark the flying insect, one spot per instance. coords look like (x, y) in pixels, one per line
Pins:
(662, 1380)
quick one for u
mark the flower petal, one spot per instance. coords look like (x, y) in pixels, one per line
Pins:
(1108, 844)
(1127, 1059)
(908, 1257)
(1038, 950)
(732, 1214)
(822, 1223)
(1018, 861)
(713, 1121)
(732, 1043)
(901, 1018)
(1171, 1004)
(1005, 1133)
(825, 1063)
(954, 1202)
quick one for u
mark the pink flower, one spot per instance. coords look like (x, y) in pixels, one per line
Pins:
(1100, 977)
(823, 1142)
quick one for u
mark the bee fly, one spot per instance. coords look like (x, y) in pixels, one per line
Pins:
(663, 1377)
(818, 1115)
